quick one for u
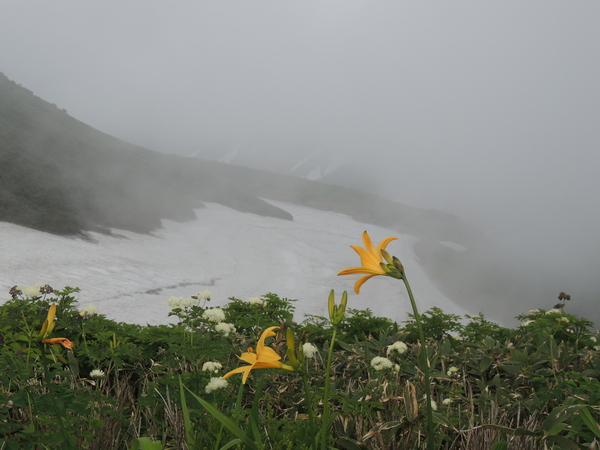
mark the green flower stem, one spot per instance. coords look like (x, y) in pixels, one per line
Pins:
(238, 405)
(425, 365)
(309, 405)
(325, 418)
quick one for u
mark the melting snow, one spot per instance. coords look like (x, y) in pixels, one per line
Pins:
(232, 254)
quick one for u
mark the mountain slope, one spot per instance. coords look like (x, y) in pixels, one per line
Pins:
(62, 176)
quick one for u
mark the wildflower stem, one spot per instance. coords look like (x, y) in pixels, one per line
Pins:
(238, 404)
(424, 365)
(325, 418)
(309, 405)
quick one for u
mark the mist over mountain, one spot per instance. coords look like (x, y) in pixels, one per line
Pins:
(525, 252)
(62, 176)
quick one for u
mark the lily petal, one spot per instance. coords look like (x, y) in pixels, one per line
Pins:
(62, 341)
(370, 260)
(264, 358)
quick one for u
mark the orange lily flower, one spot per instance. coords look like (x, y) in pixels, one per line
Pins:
(49, 324)
(370, 259)
(62, 341)
(264, 358)
(47, 328)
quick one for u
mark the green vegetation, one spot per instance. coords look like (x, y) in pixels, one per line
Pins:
(129, 386)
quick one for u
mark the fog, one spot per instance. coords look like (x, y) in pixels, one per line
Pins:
(488, 110)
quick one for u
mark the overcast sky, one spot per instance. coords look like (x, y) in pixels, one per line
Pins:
(487, 109)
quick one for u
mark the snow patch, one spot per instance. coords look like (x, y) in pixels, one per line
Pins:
(232, 254)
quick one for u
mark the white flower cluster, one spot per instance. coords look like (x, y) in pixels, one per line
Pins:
(309, 350)
(214, 315)
(456, 337)
(97, 373)
(563, 319)
(554, 311)
(397, 347)
(214, 384)
(381, 363)
(181, 302)
(452, 371)
(225, 328)
(527, 322)
(203, 295)
(211, 366)
(32, 291)
(533, 312)
(447, 401)
(88, 311)
(255, 301)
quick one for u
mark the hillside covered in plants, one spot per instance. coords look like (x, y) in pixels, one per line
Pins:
(113, 385)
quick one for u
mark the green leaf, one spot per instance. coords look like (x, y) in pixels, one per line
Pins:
(554, 423)
(563, 443)
(189, 433)
(225, 421)
(231, 444)
(145, 443)
(442, 420)
(587, 418)
(73, 365)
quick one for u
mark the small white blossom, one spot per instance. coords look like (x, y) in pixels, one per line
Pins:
(88, 311)
(554, 311)
(396, 368)
(456, 337)
(214, 315)
(381, 363)
(597, 347)
(211, 366)
(255, 301)
(225, 328)
(527, 322)
(181, 302)
(433, 403)
(397, 347)
(214, 384)
(533, 312)
(203, 295)
(563, 319)
(452, 371)
(32, 291)
(593, 338)
(174, 302)
(447, 401)
(309, 350)
(189, 302)
(97, 373)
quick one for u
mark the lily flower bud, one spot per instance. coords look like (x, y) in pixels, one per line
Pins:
(337, 312)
